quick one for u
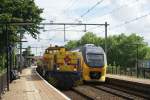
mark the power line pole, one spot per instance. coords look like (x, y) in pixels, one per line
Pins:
(36, 51)
(20, 66)
(84, 28)
(7, 56)
(106, 38)
(64, 32)
(137, 58)
(137, 61)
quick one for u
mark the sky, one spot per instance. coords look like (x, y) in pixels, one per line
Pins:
(124, 16)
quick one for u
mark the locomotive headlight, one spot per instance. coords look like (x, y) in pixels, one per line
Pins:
(75, 69)
(58, 68)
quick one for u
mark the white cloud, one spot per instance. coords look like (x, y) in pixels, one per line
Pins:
(125, 10)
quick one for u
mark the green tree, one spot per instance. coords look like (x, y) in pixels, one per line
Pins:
(72, 44)
(122, 49)
(18, 11)
(88, 38)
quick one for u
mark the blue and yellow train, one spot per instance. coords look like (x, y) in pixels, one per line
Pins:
(93, 63)
(64, 68)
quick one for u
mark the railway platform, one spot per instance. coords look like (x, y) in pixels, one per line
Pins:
(130, 79)
(31, 86)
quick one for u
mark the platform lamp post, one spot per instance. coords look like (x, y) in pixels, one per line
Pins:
(7, 56)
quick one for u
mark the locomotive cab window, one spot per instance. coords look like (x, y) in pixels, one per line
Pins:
(46, 52)
(95, 60)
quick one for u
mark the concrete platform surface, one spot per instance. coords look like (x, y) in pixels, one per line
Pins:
(129, 78)
(31, 86)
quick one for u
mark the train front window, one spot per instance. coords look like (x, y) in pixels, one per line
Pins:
(95, 60)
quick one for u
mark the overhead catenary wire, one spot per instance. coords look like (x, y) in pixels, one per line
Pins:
(99, 2)
(104, 14)
(114, 10)
(118, 8)
(68, 4)
(72, 2)
(130, 21)
(59, 28)
(67, 30)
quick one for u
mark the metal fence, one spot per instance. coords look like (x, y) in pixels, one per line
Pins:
(3, 82)
(139, 73)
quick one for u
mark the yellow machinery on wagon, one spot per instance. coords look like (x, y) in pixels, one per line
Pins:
(61, 65)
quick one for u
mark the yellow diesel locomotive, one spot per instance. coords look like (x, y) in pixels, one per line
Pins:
(93, 63)
(61, 65)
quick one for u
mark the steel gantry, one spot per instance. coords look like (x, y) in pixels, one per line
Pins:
(6, 24)
(81, 24)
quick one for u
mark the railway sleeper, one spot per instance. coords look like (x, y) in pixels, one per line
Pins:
(138, 87)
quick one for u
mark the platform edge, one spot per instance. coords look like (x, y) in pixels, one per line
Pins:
(67, 98)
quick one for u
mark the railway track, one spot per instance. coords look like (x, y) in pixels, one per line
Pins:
(75, 94)
(110, 90)
(104, 92)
